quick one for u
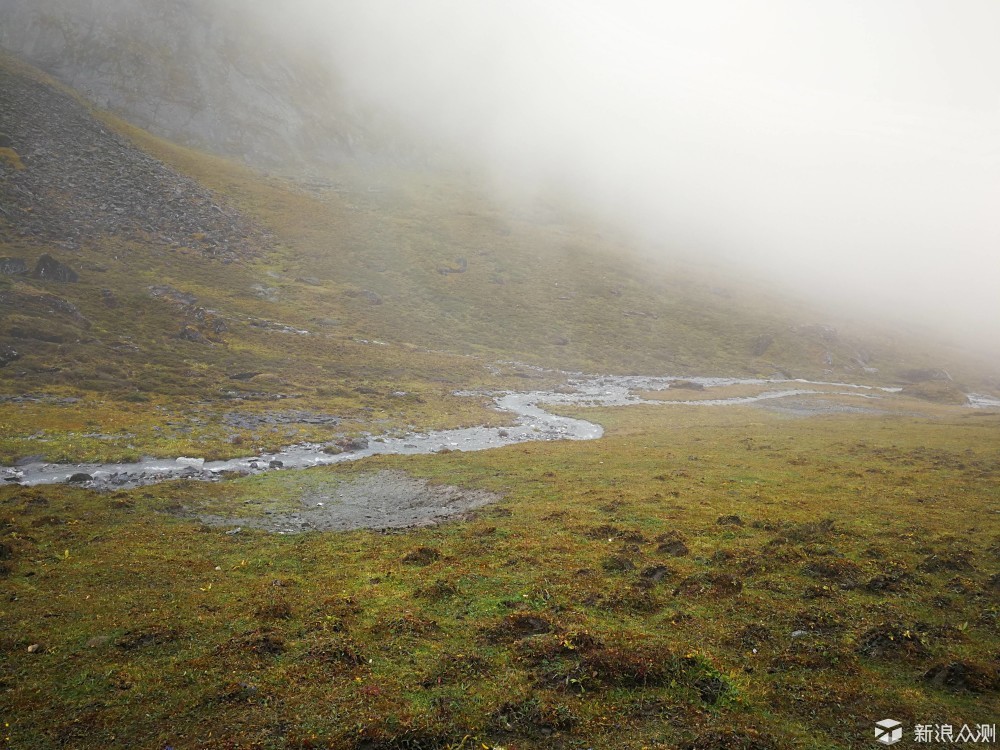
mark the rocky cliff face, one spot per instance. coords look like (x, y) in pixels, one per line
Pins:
(198, 73)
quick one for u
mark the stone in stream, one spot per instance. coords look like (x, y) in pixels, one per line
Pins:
(353, 444)
(81, 477)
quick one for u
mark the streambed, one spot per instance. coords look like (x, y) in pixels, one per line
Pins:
(534, 423)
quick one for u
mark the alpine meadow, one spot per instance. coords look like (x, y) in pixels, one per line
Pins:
(499, 375)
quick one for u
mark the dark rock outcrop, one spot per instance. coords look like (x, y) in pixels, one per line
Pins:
(189, 333)
(109, 298)
(8, 354)
(13, 266)
(761, 344)
(49, 269)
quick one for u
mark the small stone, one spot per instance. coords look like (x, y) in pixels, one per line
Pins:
(36, 648)
(81, 477)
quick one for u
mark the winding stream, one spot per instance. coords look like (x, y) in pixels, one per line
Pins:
(533, 423)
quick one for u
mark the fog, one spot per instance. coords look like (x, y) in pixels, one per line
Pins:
(851, 149)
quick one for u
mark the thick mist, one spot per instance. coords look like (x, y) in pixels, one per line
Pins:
(850, 149)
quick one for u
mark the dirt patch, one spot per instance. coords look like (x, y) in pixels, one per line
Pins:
(383, 500)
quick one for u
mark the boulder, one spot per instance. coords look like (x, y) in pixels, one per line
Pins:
(353, 444)
(13, 266)
(189, 333)
(761, 344)
(48, 268)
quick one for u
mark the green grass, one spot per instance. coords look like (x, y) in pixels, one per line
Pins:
(530, 624)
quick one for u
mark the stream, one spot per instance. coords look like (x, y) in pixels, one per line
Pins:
(534, 423)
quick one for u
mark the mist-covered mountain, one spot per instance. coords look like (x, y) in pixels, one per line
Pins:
(416, 256)
(198, 73)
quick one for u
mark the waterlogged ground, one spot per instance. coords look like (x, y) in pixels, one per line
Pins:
(534, 422)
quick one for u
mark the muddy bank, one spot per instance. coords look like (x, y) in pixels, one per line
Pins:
(383, 500)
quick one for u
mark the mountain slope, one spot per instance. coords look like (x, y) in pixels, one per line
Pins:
(202, 281)
(199, 73)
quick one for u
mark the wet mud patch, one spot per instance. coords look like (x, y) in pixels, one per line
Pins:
(381, 500)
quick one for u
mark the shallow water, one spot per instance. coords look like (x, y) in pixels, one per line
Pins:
(534, 423)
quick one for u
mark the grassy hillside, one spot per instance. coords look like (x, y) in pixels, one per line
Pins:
(233, 290)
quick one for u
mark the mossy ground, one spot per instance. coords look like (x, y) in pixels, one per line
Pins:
(637, 591)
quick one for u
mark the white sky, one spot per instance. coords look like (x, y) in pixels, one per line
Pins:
(851, 147)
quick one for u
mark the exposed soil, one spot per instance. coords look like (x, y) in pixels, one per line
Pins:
(383, 500)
